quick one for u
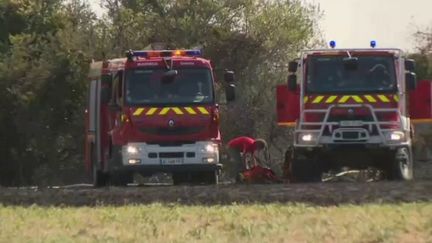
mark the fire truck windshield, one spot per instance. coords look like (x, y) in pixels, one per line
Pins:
(190, 86)
(328, 74)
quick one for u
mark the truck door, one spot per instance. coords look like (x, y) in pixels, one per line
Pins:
(91, 124)
(420, 102)
(287, 105)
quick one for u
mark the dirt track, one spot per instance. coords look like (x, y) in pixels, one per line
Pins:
(329, 193)
(319, 194)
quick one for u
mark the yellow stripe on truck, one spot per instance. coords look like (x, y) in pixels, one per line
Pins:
(203, 110)
(177, 110)
(138, 111)
(151, 111)
(383, 98)
(344, 99)
(318, 99)
(190, 110)
(357, 98)
(331, 99)
(370, 98)
(164, 111)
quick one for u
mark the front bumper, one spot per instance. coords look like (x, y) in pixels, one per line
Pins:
(150, 158)
(384, 140)
(186, 168)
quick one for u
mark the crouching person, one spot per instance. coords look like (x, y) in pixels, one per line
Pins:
(243, 153)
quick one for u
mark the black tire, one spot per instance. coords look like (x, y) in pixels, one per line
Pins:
(198, 178)
(121, 178)
(286, 168)
(180, 178)
(99, 178)
(305, 170)
(210, 178)
(401, 165)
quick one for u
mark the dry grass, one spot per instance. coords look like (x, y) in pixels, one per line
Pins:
(236, 223)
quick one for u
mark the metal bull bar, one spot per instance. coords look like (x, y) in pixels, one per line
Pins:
(319, 138)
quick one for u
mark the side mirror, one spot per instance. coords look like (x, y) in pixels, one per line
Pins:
(105, 95)
(292, 82)
(230, 92)
(114, 107)
(409, 65)
(410, 80)
(120, 75)
(350, 63)
(229, 76)
(292, 66)
(169, 76)
(106, 84)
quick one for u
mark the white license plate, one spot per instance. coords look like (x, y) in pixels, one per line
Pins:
(171, 161)
(351, 123)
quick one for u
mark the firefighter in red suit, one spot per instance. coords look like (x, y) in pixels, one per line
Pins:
(241, 148)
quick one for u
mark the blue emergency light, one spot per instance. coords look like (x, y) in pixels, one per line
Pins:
(333, 44)
(193, 53)
(373, 44)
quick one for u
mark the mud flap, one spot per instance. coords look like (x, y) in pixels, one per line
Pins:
(420, 111)
(287, 105)
(420, 102)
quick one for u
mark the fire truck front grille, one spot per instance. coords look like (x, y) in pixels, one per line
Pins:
(163, 131)
(373, 130)
(364, 118)
(350, 135)
(171, 155)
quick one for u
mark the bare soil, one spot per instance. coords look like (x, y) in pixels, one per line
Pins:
(338, 191)
(317, 193)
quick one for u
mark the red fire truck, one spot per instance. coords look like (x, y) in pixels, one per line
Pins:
(352, 108)
(154, 111)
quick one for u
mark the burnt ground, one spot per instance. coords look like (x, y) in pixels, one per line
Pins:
(339, 191)
(317, 194)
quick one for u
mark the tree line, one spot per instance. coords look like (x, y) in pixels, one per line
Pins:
(46, 47)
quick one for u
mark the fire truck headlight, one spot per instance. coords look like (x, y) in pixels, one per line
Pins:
(396, 136)
(306, 137)
(209, 160)
(210, 148)
(132, 149)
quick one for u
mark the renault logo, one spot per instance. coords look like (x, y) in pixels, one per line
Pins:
(171, 123)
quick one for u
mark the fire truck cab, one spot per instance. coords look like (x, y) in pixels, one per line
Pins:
(154, 111)
(350, 108)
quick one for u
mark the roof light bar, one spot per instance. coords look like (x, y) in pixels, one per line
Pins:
(163, 53)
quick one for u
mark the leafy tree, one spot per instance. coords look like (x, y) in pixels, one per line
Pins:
(422, 55)
(43, 75)
(46, 46)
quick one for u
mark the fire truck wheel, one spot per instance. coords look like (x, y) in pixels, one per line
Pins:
(208, 178)
(401, 167)
(121, 179)
(305, 170)
(180, 178)
(99, 178)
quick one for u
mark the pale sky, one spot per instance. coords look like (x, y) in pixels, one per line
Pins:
(354, 23)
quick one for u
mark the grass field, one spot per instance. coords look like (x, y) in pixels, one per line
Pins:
(234, 223)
